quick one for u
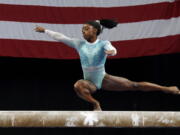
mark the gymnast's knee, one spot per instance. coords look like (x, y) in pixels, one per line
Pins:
(135, 85)
(78, 85)
(83, 86)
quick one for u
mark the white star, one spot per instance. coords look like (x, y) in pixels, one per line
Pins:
(90, 118)
(135, 119)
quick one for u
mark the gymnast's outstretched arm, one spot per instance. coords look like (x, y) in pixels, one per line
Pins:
(74, 43)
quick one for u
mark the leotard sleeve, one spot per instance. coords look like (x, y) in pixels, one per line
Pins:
(71, 42)
(108, 46)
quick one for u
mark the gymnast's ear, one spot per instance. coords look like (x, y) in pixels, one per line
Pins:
(95, 30)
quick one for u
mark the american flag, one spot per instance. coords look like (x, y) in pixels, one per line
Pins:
(146, 27)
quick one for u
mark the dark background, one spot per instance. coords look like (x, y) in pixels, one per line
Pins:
(47, 84)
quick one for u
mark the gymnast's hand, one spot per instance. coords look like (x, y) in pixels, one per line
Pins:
(109, 52)
(39, 29)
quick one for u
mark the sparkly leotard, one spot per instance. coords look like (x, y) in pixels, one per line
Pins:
(92, 56)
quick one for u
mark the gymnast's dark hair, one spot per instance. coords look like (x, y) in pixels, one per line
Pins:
(103, 23)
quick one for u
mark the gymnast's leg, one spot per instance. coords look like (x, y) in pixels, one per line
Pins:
(115, 83)
(84, 89)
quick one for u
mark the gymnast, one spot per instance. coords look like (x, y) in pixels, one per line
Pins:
(93, 53)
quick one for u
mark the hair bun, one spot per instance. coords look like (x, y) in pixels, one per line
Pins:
(108, 23)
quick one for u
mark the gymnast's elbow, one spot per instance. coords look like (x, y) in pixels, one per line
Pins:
(114, 52)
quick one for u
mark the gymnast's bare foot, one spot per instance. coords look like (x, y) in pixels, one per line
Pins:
(174, 90)
(97, 108)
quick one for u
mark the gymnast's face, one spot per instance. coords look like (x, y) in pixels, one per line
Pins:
(88, 31)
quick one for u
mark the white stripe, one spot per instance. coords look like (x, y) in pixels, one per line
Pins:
(83, 3)
(126, 31)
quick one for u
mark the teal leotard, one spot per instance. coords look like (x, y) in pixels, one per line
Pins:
(92, 56)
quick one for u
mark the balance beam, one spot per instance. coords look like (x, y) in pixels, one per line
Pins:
(89, 119)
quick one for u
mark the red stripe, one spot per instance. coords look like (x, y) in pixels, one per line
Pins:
(79, 15)
(56, 50)
(36, 49)
(148, 47)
